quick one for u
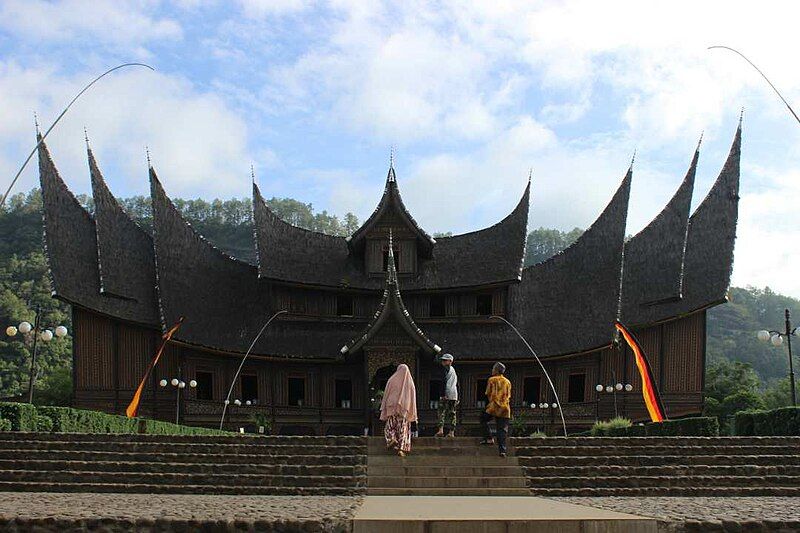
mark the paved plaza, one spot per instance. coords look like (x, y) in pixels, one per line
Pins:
(42, 511)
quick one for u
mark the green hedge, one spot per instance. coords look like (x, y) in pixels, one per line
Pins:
(779, 422)
(44, 423)
(69, 420)
(158, 427)
(699, 426)
(5, 425)
(21, 415)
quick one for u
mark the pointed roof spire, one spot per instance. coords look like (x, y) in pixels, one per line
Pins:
(147, 154)
(252, 174)
(741, 115)
(36, 124)
(633, 159)
(391, 157)
(530, 175)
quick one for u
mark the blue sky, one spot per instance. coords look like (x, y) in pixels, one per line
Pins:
(472, 95)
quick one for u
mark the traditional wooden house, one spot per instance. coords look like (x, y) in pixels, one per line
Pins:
(387, 294)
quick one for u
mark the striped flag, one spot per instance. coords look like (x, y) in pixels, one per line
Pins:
(133, 408)
(652, 400)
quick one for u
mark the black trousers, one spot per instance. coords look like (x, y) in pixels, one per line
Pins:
(502, 429)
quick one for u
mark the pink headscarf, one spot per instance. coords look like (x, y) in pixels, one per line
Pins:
(400, 396)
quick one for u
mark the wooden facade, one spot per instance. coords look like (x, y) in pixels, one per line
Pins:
(351, 309)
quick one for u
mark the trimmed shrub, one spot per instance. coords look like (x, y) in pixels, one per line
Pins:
(44, 423)
(21, 415)
(700, 426)
(5, 425)
(776, 422)
(69, 420)
(604, 428)
(158, 427)
(744, 423)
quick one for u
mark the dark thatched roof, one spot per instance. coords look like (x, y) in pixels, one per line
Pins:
(653, 266)
(124, 252)
(391, 307)
(569, 302)
(70, 245)
(489, 256)
(391, 200)
(710, 241)
(222, 299)
(288, 253)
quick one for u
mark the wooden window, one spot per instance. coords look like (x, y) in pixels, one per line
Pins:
(297, 391)
(344, 393)
(480, 393)
(531, 390)
(344, 305)
(249, 388)
(484, 304)
(438, 306)
(577, 388)
(205, 385)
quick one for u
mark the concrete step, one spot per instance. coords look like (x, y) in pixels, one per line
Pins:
(484, 514)
(253, 440)
(219, 458)
(445, 470)
(436, 461)
(182, 447)
(649, 441)
(196, 468)
(647, 460)
(655, 450)
(669, 470)
(668, 491)
(179, 478)
(449, 451)
(44, 486)
(405, 491)
(436, 482)
(663, 481)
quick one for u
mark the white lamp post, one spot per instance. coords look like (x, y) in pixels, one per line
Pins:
(611, 389)
(776, 339)
(178, 384)
(35, 333)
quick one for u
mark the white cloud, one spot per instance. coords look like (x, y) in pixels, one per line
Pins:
(197, 143)
(78, 21)
(262, 8)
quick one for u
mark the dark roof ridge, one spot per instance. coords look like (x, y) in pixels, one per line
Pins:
(157, 188)
(624, 187)
(391, 193)
(525, 199)
(257, 194)
(732, 160)
(44, 154)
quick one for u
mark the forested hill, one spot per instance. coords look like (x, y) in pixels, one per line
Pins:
(228, 224)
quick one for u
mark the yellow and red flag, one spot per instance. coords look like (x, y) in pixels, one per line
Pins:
(652, 400)
(133, 408)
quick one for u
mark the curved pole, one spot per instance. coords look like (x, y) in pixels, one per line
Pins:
(550, 381)
(762, 75)
(230, 391)
(109, 71)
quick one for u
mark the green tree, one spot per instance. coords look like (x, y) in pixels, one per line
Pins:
(544, 243)
(778, 394)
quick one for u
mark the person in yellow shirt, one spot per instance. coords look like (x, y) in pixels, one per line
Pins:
(498, 392)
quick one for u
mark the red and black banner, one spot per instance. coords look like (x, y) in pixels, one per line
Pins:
(652, 399)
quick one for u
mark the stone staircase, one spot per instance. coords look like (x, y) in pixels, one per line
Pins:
(64, 462)
(661, 466)
(443, 467)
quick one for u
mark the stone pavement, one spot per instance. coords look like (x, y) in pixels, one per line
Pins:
(729, 514)
(45, 512)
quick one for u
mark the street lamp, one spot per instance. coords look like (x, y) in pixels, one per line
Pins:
(611, 389)
(776, 338)
(179, 384)
(33, 334)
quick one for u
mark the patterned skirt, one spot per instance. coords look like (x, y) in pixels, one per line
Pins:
(398, 433)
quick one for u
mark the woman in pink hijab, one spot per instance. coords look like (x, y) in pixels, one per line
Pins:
(399, 409)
